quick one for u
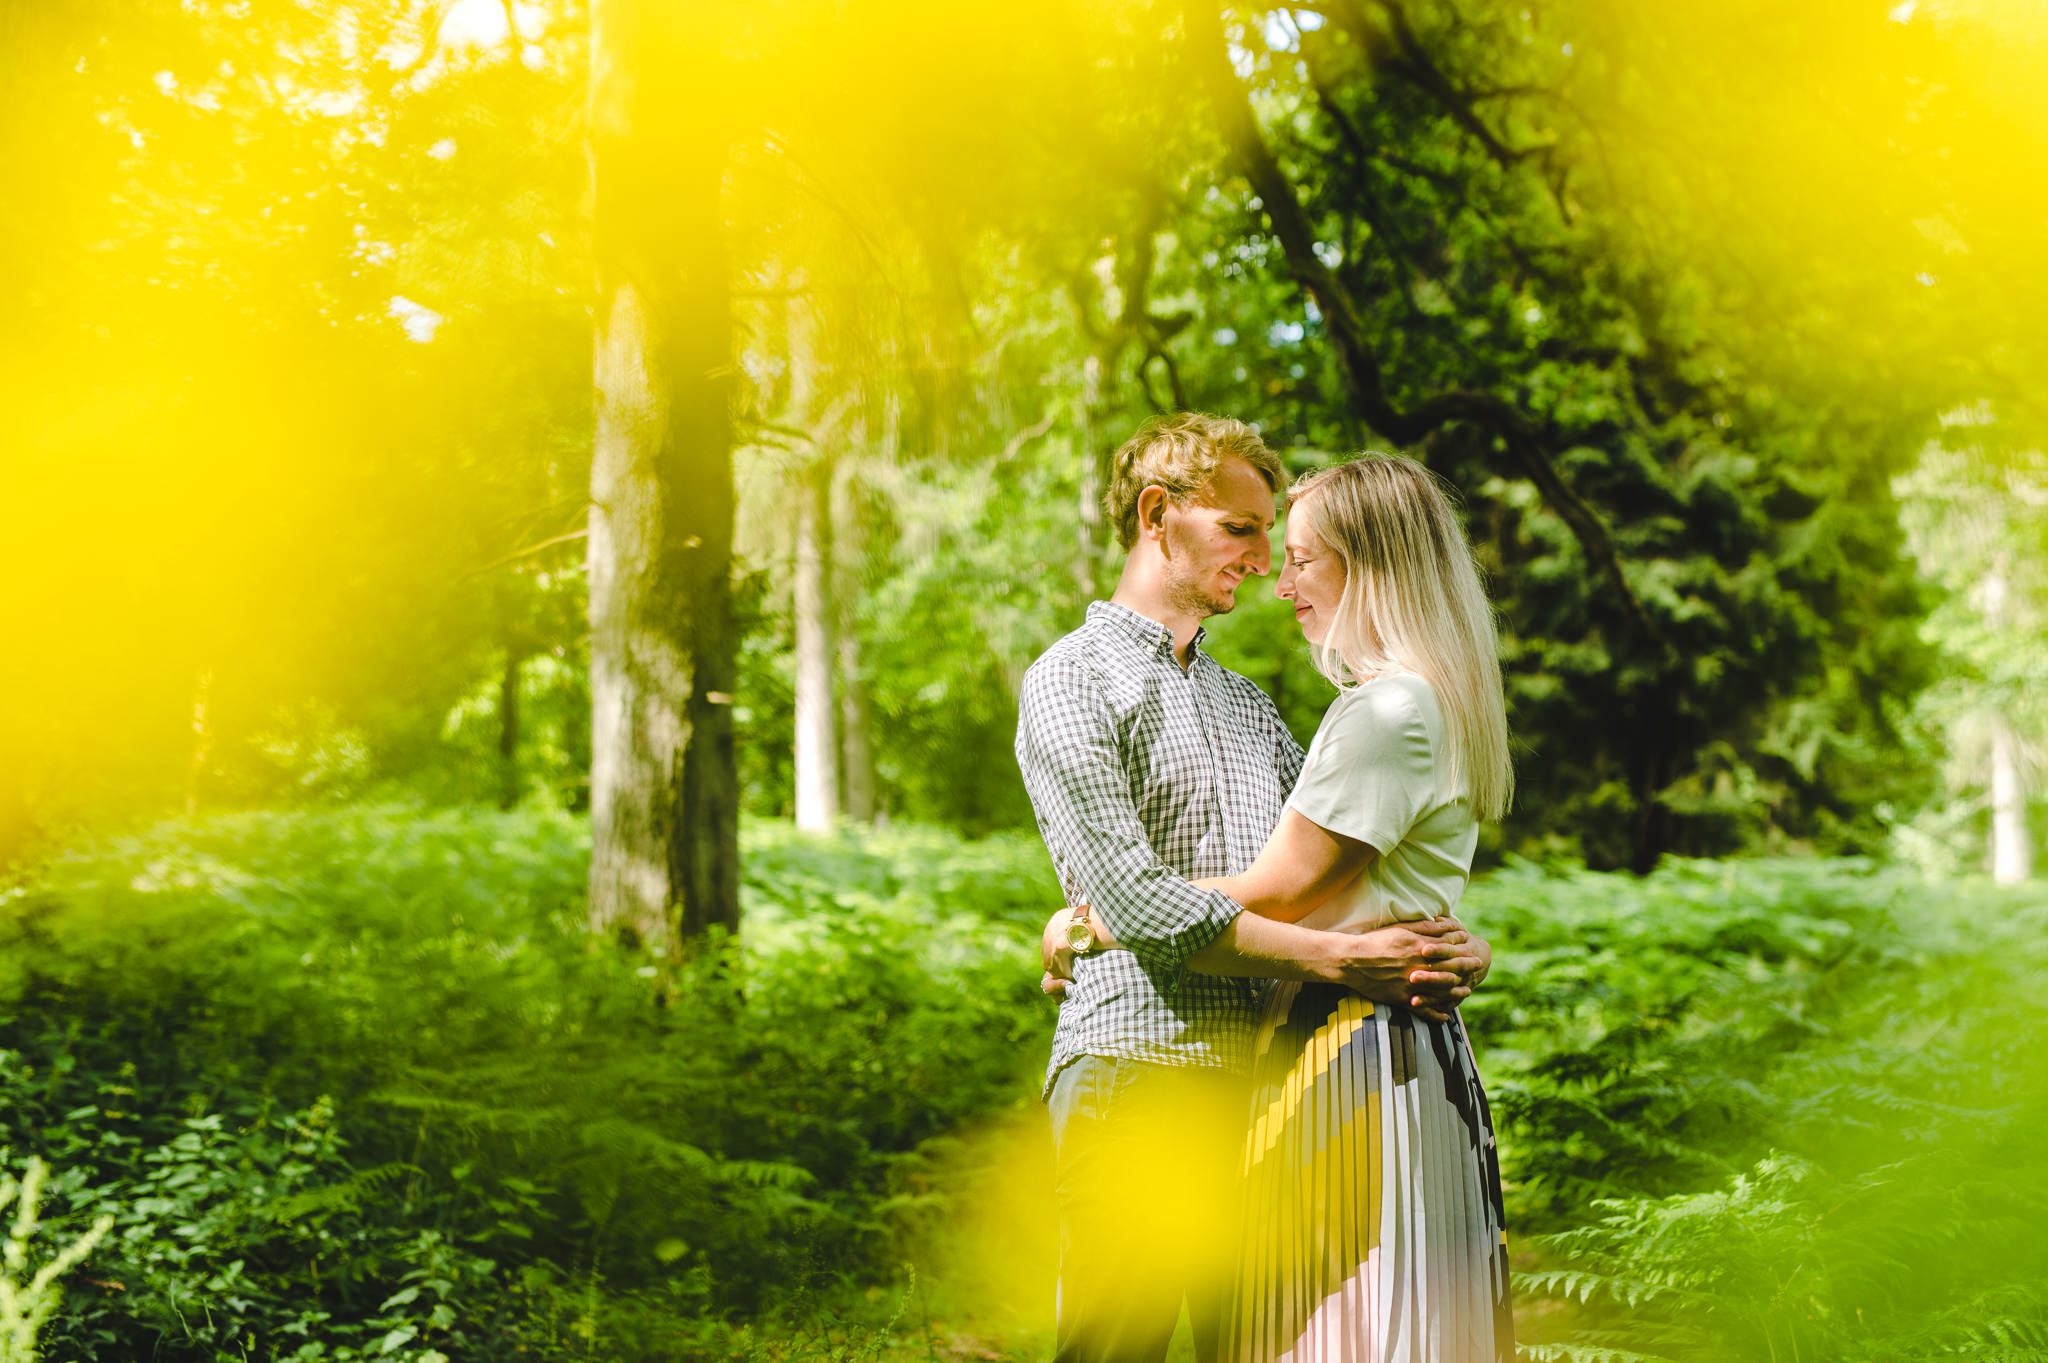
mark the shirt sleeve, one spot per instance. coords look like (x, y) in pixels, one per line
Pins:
(1370, 773)
(1074, 773)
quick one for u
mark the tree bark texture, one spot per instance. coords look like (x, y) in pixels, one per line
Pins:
(664, 786)
(508, 729)
(817, 739)
(857, 751)
(856, 747)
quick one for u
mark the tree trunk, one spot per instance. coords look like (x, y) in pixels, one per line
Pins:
(508, 730)
(816, 756)
(1652, 764)
(2012, 857)
(856, 751)
(1090, 532)
(817, 740)
(202, 743)
(664, 788)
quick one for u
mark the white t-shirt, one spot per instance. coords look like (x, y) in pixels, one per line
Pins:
(1375, 773)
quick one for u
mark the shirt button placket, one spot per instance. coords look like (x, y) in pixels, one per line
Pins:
(1218, 838)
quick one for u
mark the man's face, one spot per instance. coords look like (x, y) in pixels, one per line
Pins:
(1218, 539)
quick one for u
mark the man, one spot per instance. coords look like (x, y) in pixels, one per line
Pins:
(1150, 765)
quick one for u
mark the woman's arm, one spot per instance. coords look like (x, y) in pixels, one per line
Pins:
(1297, 871)
(1301, 866)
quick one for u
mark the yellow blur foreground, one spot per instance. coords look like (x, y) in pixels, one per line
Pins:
(1154, 1198)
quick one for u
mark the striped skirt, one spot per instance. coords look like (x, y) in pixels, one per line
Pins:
(1373, 1226)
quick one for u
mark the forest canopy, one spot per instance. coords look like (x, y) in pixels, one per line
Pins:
(300, 358)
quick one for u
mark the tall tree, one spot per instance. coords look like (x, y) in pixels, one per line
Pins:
(664, 785)
(813, 612)
(1976, 512)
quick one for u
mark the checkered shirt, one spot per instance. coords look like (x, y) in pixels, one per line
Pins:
(1145, 777)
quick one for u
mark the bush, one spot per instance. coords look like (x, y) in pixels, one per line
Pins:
(358, 1083)
(1771, 1110)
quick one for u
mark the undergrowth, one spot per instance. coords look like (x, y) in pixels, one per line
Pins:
(358, 1084)
(1770, 1111)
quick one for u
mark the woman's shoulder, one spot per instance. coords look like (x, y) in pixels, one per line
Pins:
(1393, 714)
(1398, 699)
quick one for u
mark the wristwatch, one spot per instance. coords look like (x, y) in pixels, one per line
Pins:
(1080, 932)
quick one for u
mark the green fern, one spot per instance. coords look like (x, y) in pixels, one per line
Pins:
(26, 1306)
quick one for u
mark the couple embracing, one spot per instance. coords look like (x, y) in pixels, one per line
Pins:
(1263, 1102)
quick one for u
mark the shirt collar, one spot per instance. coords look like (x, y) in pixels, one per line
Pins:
(1142, 630)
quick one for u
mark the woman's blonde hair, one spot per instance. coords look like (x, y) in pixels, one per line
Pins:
(1412, 599)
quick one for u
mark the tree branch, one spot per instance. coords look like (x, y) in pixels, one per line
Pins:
(1397, 47)
(1356, 356)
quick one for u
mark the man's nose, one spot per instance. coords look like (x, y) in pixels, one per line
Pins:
(1262, 558)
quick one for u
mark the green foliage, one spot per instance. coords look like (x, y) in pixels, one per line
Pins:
(1976, 515)
(1768, 1110)
(358, 1083)
(959, 278)
(25, 1306)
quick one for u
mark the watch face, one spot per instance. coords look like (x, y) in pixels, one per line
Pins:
(1080, 935)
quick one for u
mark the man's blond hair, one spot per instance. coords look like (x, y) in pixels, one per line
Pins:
(1180, 453)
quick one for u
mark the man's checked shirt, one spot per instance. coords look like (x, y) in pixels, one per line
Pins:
(1145, 777)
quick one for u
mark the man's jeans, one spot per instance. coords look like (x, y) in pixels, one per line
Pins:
(1146, 1176)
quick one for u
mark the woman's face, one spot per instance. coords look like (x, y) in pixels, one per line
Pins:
(1312, 577)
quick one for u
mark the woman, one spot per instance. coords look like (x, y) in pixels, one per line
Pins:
(1373, 1223)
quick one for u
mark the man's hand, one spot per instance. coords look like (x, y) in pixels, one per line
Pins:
(1054, 955)
(1053, 951)
(1056, 952)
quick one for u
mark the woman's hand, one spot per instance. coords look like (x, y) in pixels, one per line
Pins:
(1429, 965)
(1441, 985)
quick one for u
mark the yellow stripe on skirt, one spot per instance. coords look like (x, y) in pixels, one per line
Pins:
(1373, 1227)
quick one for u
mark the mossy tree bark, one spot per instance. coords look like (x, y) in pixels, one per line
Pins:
(664, 785)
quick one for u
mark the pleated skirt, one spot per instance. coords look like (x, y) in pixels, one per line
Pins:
(1373, 1225)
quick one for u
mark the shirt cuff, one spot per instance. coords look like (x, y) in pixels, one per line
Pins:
(1166, 958)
